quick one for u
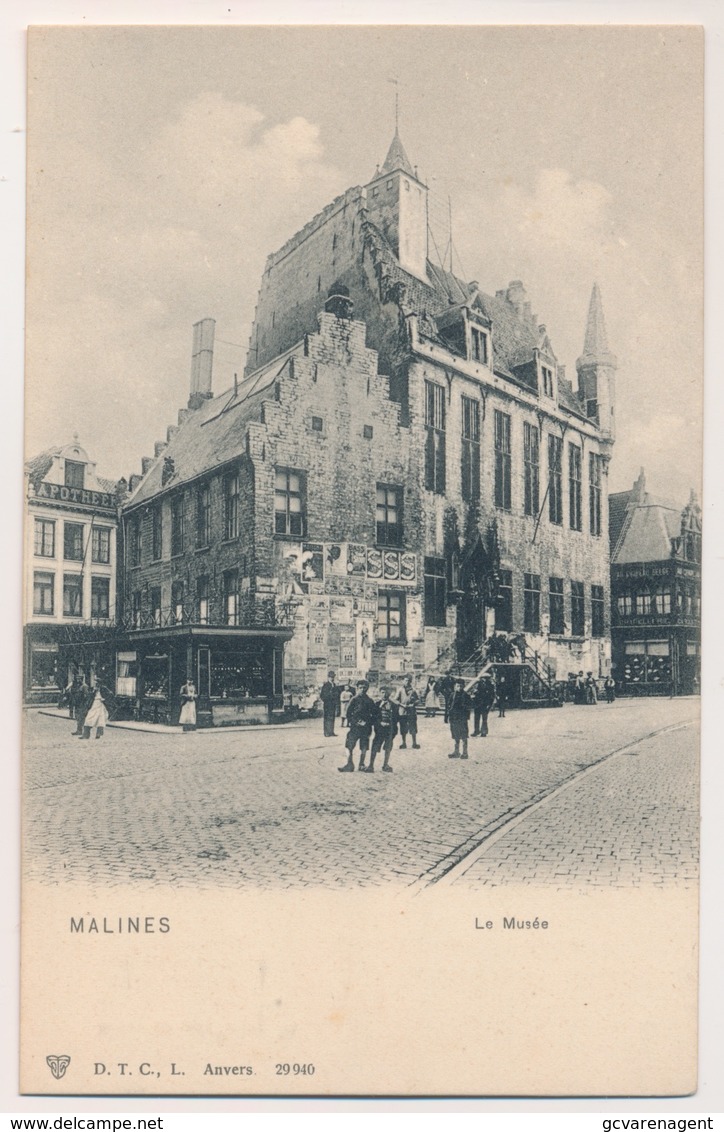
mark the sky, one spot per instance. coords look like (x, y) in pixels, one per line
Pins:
(164, 164)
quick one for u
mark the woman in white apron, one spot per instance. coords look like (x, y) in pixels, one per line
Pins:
(96, 716)
(187, 718)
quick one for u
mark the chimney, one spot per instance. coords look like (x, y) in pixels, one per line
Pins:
(146, 462)
(159, 447)
(171, 432)
(517, 296)
(202, 359)
(134, 481)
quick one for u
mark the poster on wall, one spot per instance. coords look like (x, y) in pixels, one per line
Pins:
(365, 629)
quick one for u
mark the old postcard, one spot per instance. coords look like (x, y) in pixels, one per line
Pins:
(362, 561)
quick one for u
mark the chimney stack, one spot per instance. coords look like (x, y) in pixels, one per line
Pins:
(202, 360)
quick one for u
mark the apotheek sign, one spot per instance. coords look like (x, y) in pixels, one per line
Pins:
(76, 495)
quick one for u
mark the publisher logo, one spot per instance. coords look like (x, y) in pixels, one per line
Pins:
(58, 1063)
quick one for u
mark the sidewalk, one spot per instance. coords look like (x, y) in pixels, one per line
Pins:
(168, 729)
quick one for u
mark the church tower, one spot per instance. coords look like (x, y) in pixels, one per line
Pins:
(597, 369)
(397, 204)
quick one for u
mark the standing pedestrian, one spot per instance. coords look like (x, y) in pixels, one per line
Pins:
(580, 689)
(430, 697)
(591, 689)
(187, 716)
(329, 695)
(444, 689)
(483, 697)
(76, 698)
(386, 715)
(83, 700)
(344, 700)
(458, 713)
(96, 715)
(609, 685)
(502, 696)
(361, 714)
(407, 700)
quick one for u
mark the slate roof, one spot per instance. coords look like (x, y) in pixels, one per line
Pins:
(514, 336)
(641, 530)
(213, 434)
(397, 158)
(617, 513)
(38, 466)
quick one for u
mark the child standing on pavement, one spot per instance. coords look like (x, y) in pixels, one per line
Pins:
(344, 700)
(458, 714)
(385, 730)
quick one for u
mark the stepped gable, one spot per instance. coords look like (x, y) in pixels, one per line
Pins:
(212, 435)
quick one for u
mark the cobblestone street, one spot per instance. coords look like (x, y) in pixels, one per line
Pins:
(575, 796)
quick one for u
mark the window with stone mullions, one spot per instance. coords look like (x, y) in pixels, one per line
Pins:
(435, 438)
(157, 532)
(504, 601)
(578, 609)
(231, 597)
(202, 598)
(435, 592)
(502, 461)
(44, 538)
(597, 611)
(134, 540)
(177, 601)
(389, 515)
(289, 516)
(391, 617)
(531, 603)
(555, 480)
(177, 525)
(555, 606)
(595, 465)
(231, 505)
(531, 467)
(479, 345)
(203, 516)
(470, 450)
(574, 487)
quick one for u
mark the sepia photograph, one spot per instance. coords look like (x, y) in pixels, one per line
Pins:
(362, 561)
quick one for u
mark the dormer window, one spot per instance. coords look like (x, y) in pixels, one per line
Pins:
(74, 474)
(478, 345)
(547, 380)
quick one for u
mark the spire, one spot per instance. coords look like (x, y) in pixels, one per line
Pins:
(396, 158)
(595, 346)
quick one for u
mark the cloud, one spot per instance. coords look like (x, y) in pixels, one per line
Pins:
(133, 245)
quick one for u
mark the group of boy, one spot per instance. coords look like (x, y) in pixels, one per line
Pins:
(385, 716)
(389, 713)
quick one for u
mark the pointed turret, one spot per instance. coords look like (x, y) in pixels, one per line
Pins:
(397, 205)
(595, 346)
(597, 368)
(397, 159)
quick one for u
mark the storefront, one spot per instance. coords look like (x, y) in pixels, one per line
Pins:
(238, 673)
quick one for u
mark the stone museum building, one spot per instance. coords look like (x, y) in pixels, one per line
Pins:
(70, 562)
(404, 470)
(656, 593)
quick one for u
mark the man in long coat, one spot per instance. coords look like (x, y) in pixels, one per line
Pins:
(329, 696)
(458, 714)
